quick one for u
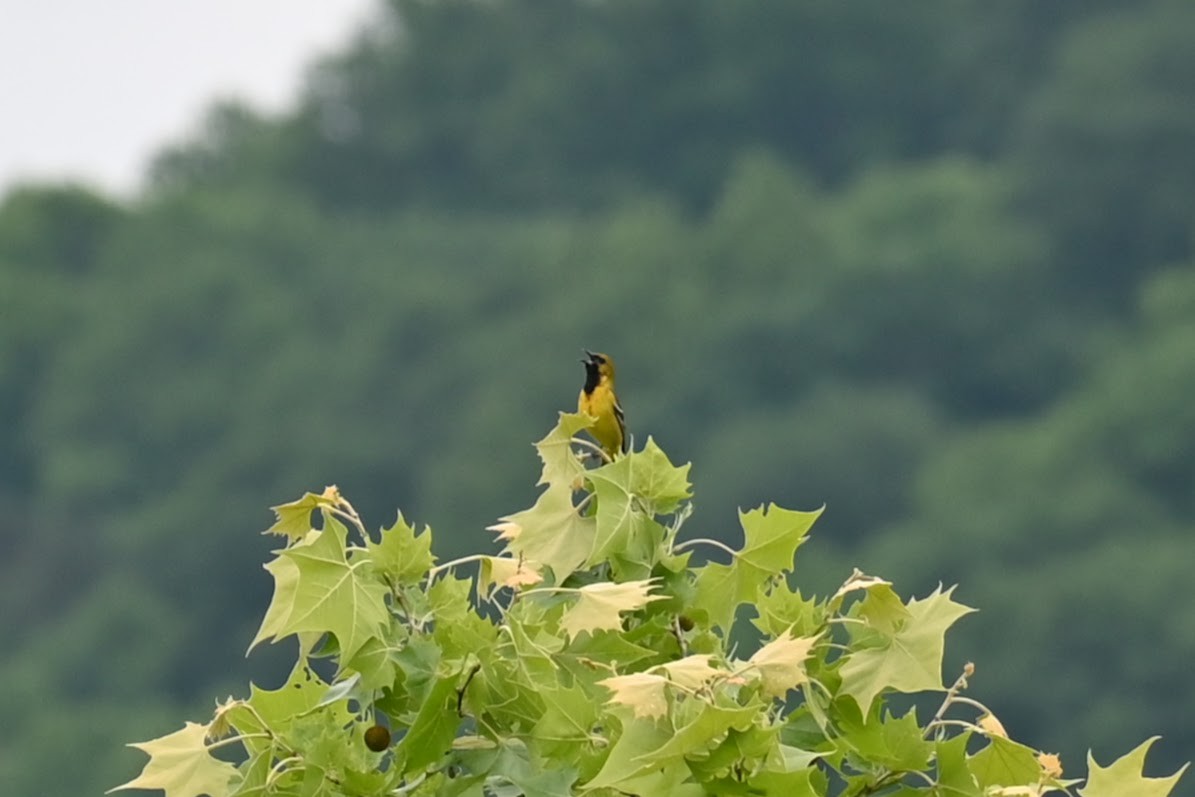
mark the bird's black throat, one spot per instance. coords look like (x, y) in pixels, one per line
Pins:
(592, 377)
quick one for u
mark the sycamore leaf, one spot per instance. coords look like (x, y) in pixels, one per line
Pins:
(908, 661)
(781, 663)
(181, 766)
(1124, 777)
(623, 527)
(954, 774)
(781, 609)
(318, 590)
(552, 532)
(858, 580)
(991, 726)
(506, 571)
(657, 481)
(221, 726)
(402, 556)
(1051, 764)
(433, 729)
(643, 692)
(294, 519)
(692, 672)
(650, 744)
(562, 466)
(599, 605)
(896, 743)
(507, 531)
(569, 716)
(720, 589)
(1005, 763)
(772, 536)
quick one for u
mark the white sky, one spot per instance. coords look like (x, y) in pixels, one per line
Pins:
(90, 89)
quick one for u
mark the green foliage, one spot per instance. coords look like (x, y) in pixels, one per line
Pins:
(891, 259)
(601, 663)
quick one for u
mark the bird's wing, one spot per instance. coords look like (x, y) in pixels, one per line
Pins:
(621, 417)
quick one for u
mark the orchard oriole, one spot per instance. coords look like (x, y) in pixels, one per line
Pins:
(599, 401)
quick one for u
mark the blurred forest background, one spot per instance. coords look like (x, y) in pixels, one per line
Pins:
(930, 264)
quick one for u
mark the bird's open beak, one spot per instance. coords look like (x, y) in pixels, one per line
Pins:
(589, 356)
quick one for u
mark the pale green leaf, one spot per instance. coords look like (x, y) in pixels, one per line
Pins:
(772, 536)
(181, 766)
(561, 465)
(322, 592)
(720, 589)
(1124, 777)
(1004, 763)
(551, 532)
(908, 661)
(293, 520)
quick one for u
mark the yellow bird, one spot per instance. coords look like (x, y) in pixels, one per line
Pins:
(599, 401)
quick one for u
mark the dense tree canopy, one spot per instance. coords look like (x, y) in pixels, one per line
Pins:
(931, 266)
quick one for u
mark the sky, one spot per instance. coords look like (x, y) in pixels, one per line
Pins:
(90, 90)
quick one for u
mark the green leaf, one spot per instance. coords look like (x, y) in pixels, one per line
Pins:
(954, 773)
(435, 726)
(181, 766)
(882, 610)
(638, 735)
(303, 691)
(772, 536)
(1005, 763)
(568, 719)
(552, 532)
(719, 590)
(782, 609)
(561, 465)
(402, 556)
(890, 744)
(911, 659)
(1124, 777)
(317, 589)
(294, 519)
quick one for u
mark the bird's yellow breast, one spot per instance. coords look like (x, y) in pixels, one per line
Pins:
(600, 403)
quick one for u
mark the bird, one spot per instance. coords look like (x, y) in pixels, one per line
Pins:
(599, 401)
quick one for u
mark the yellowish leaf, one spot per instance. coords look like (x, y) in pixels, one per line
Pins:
(781, 663)
(858, 580)
(642, 692)
(599, 605)
(992, 726)
(1051, 764)
(507, 530)
(507, 571)
(692, 672)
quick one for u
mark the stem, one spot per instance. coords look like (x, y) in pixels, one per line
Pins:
(464, 560)
(350, 514)
(959, 685)
(238, 738)
(593, 447)
(706, 541)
